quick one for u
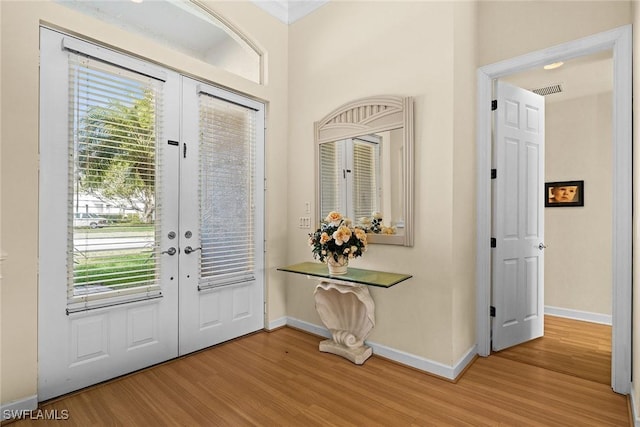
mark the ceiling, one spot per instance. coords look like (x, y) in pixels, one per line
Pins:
(578, 77)
(289, 11)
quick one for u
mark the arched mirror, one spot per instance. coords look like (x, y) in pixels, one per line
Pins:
(364, 159)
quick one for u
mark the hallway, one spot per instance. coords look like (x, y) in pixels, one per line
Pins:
(572, 347)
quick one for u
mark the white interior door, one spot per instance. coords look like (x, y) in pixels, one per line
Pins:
(119, 293)
(518, 217)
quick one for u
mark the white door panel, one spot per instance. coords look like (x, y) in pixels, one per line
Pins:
(214, 310)
(518, 262)
(81, 343)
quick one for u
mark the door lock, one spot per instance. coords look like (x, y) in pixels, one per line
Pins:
(170, 251)
(541, 246)
(189, 249)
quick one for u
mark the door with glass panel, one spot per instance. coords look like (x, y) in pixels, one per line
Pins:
(125, 252)
(221, 198)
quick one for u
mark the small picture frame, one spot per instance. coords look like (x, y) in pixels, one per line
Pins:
(564, 194)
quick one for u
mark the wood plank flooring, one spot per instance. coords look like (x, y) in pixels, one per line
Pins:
(581, 349)
(281, 379)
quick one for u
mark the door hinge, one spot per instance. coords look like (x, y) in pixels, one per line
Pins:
(494, 173)
(184, 151)
(170, 142)
(493, 242)
(492, 311)
(494, 105)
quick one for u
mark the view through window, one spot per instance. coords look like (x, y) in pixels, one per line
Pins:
(112, 175)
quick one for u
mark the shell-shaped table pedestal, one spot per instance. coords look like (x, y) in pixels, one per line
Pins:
(348, 312)
(345, 305)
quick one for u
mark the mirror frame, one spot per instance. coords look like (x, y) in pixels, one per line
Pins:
(365, 116)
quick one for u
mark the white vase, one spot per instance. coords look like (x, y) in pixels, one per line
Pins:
(337, 267)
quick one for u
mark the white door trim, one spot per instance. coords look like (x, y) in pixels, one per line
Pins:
(620, 41)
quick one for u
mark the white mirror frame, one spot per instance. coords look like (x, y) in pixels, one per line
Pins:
(363, 117)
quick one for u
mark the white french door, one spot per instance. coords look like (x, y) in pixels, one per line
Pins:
(518, 220)
(145, 254)
(222, 191)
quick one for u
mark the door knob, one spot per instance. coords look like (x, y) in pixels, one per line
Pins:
(189, 249)
(170, 251)
(541, 246)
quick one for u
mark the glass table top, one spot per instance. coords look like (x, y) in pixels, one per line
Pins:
(355, 275)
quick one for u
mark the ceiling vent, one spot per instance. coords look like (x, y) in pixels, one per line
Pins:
(548, 90)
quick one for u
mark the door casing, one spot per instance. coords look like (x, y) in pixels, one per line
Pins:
(619, 40)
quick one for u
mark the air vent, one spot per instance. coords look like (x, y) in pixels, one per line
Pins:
(548, 90)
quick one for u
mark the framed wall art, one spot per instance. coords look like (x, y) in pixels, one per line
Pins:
(564, 194)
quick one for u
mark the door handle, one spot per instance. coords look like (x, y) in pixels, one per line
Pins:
(189, 249)
(541, 246)
(170, 251)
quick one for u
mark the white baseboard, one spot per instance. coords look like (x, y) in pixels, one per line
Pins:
(278, 323)
(417, 362)
(308, 327)
(635, 412)
(18, 407)
(585, 316)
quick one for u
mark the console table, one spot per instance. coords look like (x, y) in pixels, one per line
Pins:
(345, 306)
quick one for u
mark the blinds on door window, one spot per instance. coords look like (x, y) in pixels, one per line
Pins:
(350, 174)
(332, 192)
(114, 219)
(227, 192)
(366, 175)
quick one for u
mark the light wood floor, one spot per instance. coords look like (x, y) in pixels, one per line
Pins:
(581, 349)
(281, 379)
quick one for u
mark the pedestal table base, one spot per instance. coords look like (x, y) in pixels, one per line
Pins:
(348, 312)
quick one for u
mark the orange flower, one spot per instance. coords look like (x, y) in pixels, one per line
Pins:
(361, 235)
(342, 235)
(334, 217)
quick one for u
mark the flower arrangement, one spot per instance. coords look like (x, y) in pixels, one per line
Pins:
(337, 238)
(374, 224)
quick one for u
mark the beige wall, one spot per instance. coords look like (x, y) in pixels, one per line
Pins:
(19, 144)
(464, 200)
(578, 256)
(510, 28)
(348, 50)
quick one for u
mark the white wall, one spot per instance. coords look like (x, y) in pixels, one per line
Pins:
(578, 272)
(19, 32)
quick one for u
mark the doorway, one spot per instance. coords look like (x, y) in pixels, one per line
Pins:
(618, 40)
(171, 169)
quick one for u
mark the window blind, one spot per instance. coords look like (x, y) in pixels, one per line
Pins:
(332, 193)
(115, 120)
(227, 192)
(366, 173)
(350, 174)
